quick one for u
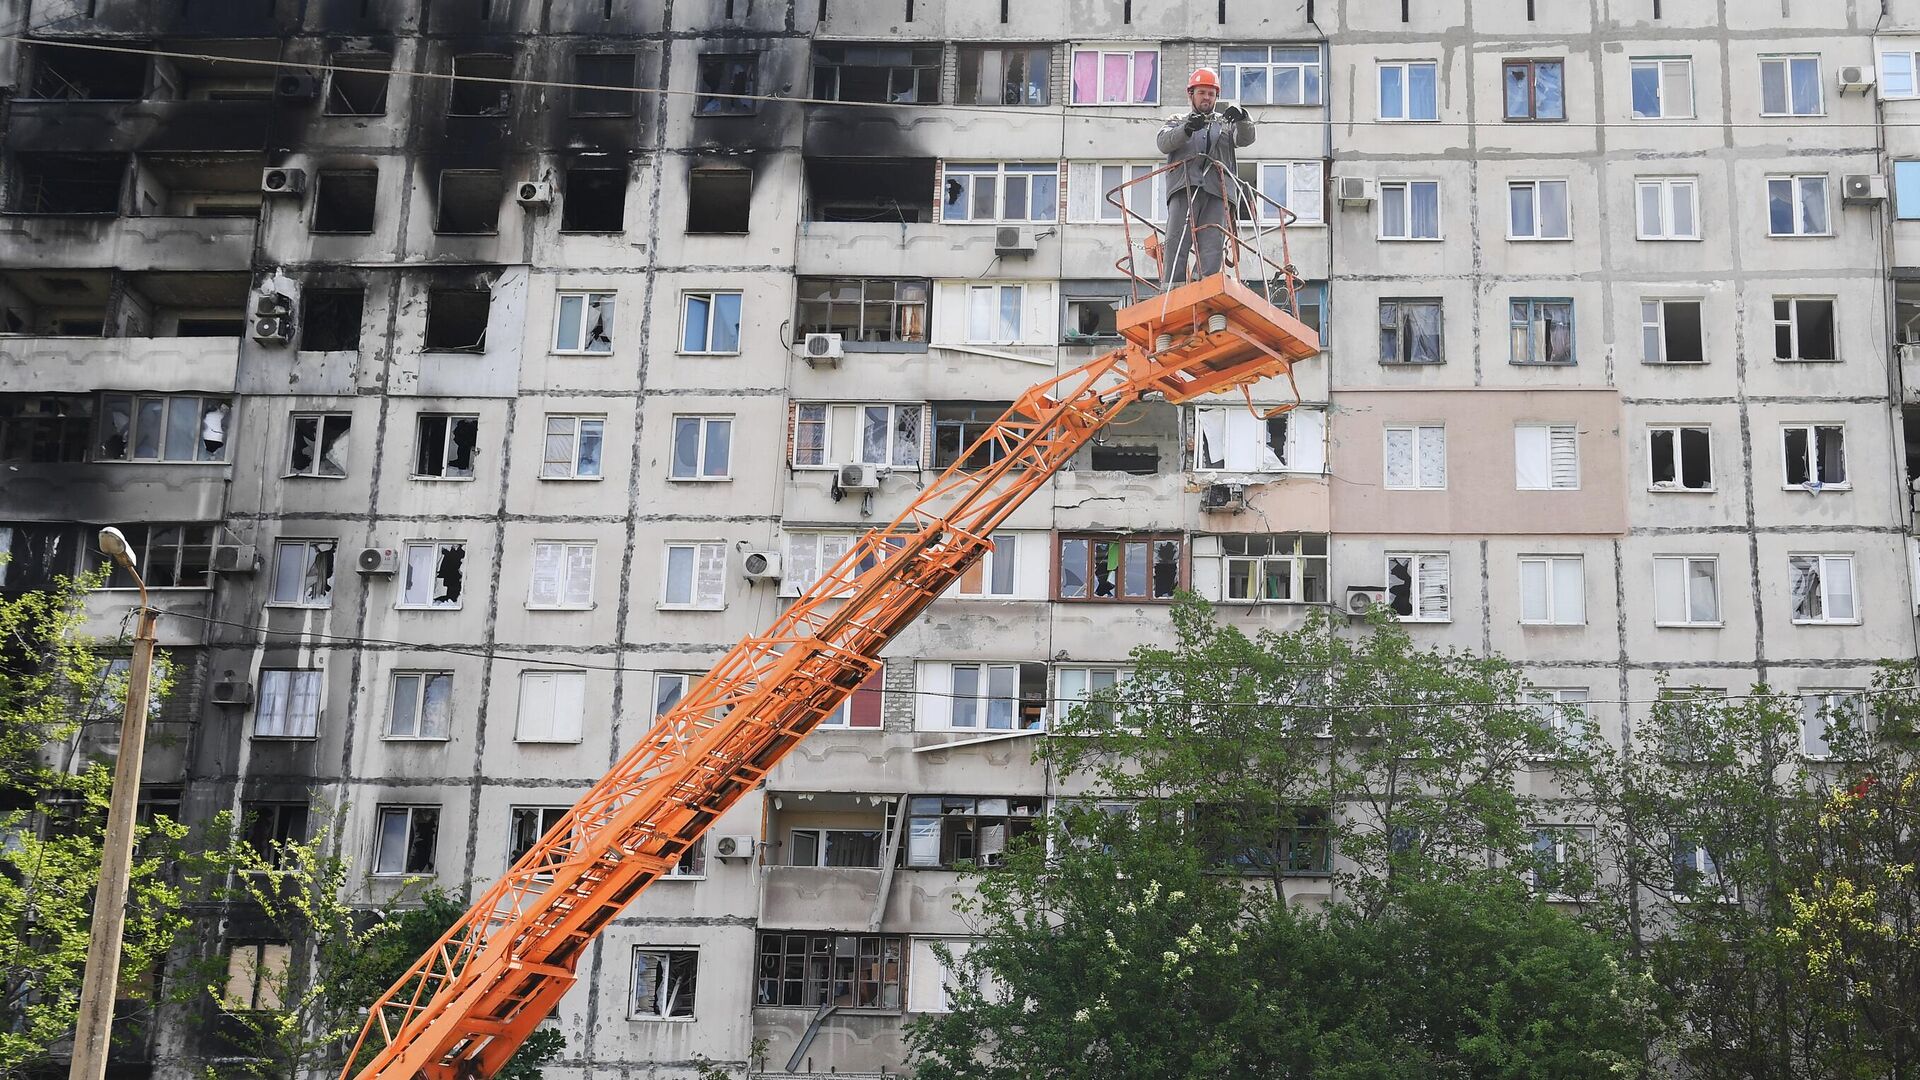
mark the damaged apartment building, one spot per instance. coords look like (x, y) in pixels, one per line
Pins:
(468, 375)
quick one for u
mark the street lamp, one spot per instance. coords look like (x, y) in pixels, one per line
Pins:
(93, 1032)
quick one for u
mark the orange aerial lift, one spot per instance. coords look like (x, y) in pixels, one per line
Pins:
(463, 1009)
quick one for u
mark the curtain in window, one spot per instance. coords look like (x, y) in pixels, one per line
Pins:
(1433, 586)
(1423, 323)
(1433, 458)
(1400, 457)
(1806, 588)
(1146, 68)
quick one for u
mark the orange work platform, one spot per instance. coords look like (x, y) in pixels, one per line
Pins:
(1206, 332)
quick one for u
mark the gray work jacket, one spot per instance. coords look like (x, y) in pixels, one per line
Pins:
(1213, 143)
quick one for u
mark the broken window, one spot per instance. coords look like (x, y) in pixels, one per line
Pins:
(696, 576)
(1260, 840)
(1286, 568)
(1015, 75)
(894, 74)
(444, 446)
(271, 826)
(956, 427)
(303, 572)
(457, 320)
(702, 448)
(1670, 332)
(44, 428)
(37, 554)
(434, 575)
(343, 200)
(710, 323)
(177, 427)
(257, 974)
(848, 971)
(862, 309)
(62, 73)
(1237, 439)
(594, 200)
(406, 840)
(1816, 455)
(583, 323)
(562, 575)
(835, 847)
(870, 189)
(357, 85)
(1822, 588)
(614, 71)
(470, 201)
(480, 86)
(168, 556)
(526, 825)
(573, 448)
(884, 435)
(719, 200)
(1420, 586)
(1410, 332)
(1686, 590)
(1803, 328)
(1119, 569)
(330, 319)
(1680, 458)
(1090, 320)
(422, 705)
(997, 191)
(944, 831)
(731, 75)
(1541, 330)
(66, 183)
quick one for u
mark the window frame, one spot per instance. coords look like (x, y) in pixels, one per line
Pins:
(1660, 66)
(558, 725)
(577, 438)
(564, 580)
(710, 296)
(1686, 600)
(1419, 434)
(927, 70)
(1298, 560)
(1667, 186)
(703, 426)
(776, 952)
(1100, 53)
(900, 315)
(693, 602)
(381, 813)
(1823, 559)
(1062, 701)
(584, 85)
(608, 302)
(302, 684)
(423, 678)
(917, 810)
(1406, 102)
(321, 422)
(1785, 62)
(1120, 579)
(1293, 170)
(1536, 323)
(997, 291)
(1832, 699)
(1531, 67)
(518, 812)
(707, 105)
(310, 546)
(1679, 450)
(1574, 726)
(1659, 328)
(1798, 204)
(1554, 431)
(1791, 324)
(979, 53)
(1552, 561)
(1407, 188)
(137, 404)
(1404, 338)
(990, 565)
(953, 172)
(1564, 853)
(1417, 562)
(439, 548)
(163, 551)
(448, 421)
(1815, 456)
(1906, 208)
(1533, 186)
(828, 409)
(1230, 70)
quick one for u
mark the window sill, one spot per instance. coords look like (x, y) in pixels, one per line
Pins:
(1826, 622)
(155, 588)
(561, 607)
(1385, 487)
(1543, 363)
(401, 875)
(136, 461)
(661, 1019)
(849, 729)
(575, 479)
(1675, 489)
(468, 350)
(1534, 119)
(1673, 363)
(428, 607)
(1528, 624)
(1429, 622)
(1689, 625)
(683, 352)
(580, 352)
(548, 742)
(1412, 363)
(1800, 236)
(1539, 239)
(1805, 360)
(284, 738)
(443, 479)
(1112, 601)
(680, 877)
(1411, 239)
(290, 606)
(340, 232)
(310, 476)
(1824, 488)
(696, 479)
(495, 232)
(686, 607)
(439, 739)
(1408, 119)
(1670, 239)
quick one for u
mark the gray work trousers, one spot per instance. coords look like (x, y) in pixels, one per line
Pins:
(1190, 211)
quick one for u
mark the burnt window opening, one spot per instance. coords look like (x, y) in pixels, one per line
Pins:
(457, 320)
(611, 70)
(330, 319)
(66, 184)
(191, 326)
(594, 200)
(444, 446)
(1140, 460)
(72, 304)
(172, 556)
(357, 86)
(470, 201)
(343, 200)
(894, 74)
(1015, 75)
(719, 200)
(731, 74)
(45, 428)
(162, 427)
(1910, 438)
(957, 425)
(38, 554)
(862, 309)
(870, 189)
(319, 446)
(1681, 457)
(272, 826)
(479, 86)
(65, 74)
(1090, 319)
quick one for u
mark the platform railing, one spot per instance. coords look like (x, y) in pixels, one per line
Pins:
(1244, 245)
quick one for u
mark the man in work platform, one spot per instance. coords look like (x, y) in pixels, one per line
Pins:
(1201, 143)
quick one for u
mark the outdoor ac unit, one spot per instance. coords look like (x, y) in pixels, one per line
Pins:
(1013, 240)
(1353, 190)
(378, 561)
(1224, 498)
(824, 350)
(532, 193)
(273, 330)
(272, 303)
(243, 559)
(1863, 188)
(283, 181)
(734, 847)
(859, 478)
(1856, 79)
(298, 86)
(762, 565)
(232, 693)
(1362, 597)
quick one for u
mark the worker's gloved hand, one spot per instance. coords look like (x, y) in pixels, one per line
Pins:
(1195, 122)
(1235, 114)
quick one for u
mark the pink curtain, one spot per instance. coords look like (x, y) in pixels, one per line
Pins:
(1086, 77)
(1146, 71)
(1113, 77)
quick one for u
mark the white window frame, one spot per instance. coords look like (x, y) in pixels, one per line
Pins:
(554, 697)
(1418, 563)
(549, 816)
(314, 470)
(1230, 73)
(447, 422)
(1908, 61)
(307, 547)
(1066, 699)
(1822, 702)
(996, 294)
(420, 680)
(982, 699)
(1563, 853)
(1295, 180)
(828, 409)
(564, 583)
(1679, 467)
(1561, 608)
(1686, 563)
(437, 549)
(680, 683)
(1406, 190)
(1666, 67)
(1297, 560)
(686, 319)
(381, 813)
(1797, 184)
(1088, 183)
(1558, 441)
(1811, 432)
(1658, 327)
(1826, 560)
(1101, 52)
(968, 174)
(1418, 435)
(827, 548)
(1403, 108)
(298, 688)
(704, 422)
(1539, 235)
(1003, 555)
(1669, 187)
(1783, 63)
(666, 955)
(574, 432)
(703, 552)
(1573, 725)
(1247, 441)
(1792, 323)
(583, 343)
(199, 403)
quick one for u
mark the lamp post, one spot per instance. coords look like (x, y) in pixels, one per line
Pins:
(93, 1032)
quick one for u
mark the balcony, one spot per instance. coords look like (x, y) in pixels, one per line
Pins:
(130, 243)
(100, 127)
(839, 898)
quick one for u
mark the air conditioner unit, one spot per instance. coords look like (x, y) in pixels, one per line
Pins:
(283, 181)
(231, 693)
(1856, 79)
(1863, 188)
(273, 330)
(859, 478)
(1224, 498)
(532, 193)
(734, 847)
(243, 559)
(272, 303)
(1353, 190)
(297, 86)
(1013, 240)
(377, 561)
(823, 350)
(762, 565)
(1362, 597)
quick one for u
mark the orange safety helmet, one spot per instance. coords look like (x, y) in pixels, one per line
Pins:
(1203, 77)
